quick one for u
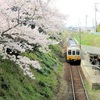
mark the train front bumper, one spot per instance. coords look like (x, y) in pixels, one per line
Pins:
(73, 58)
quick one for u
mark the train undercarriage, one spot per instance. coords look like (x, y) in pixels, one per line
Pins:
(73, 62)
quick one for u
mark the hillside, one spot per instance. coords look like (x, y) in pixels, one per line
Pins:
(14, 85)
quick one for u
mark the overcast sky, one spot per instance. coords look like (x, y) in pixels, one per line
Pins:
(77, 11)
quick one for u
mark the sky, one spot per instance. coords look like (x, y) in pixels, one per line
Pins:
(80, 11)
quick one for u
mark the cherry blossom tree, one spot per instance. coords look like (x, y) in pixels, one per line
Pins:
(27, 25)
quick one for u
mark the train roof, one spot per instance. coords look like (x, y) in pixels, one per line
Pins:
(71, 42)
(73, 48)
(73, 45)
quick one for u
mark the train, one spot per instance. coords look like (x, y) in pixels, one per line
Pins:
(73, 52)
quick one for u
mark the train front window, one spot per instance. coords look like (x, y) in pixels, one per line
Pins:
(69, 52)
(77, 52)
(73, 52)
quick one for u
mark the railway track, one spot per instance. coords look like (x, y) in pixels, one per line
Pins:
(77, 89)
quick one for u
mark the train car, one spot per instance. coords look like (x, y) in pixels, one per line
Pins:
(73, 53)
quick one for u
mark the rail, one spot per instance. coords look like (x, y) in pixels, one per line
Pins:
(86, 94)
(73, 88)
(78, 84)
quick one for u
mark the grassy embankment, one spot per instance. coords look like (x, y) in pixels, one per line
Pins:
(91, 40)
(14, 85)
(88, 39)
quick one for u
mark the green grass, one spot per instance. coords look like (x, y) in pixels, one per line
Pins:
(93, 94)
(14, 85)
(88, 39)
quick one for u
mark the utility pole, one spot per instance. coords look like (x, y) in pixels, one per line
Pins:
(80, 37)
(79, 24)
(96, 10)
(93, 23)
(86, 23)
(79, 30)
(95, 18)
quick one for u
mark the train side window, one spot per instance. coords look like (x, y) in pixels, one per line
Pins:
(77, 52)
(73, 52)
(69, 52)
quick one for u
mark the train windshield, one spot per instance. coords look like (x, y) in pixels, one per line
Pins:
(77, 52)
(69, 52)
(73, 52)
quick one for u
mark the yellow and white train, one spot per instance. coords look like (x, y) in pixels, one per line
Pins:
(73, 53)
